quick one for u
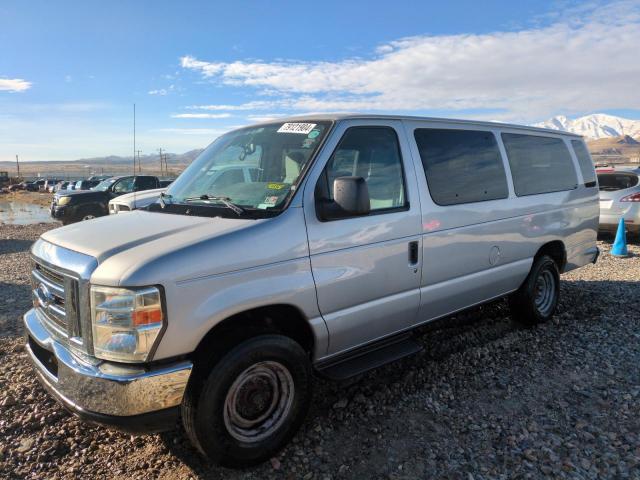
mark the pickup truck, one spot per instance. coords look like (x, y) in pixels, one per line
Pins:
(74, 206)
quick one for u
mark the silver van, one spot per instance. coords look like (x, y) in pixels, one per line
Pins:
(219, 303)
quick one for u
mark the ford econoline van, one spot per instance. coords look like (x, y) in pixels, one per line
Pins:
(219, 302)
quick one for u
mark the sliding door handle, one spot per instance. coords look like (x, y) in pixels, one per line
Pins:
(413, 253)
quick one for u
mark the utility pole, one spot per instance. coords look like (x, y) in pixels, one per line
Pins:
(139, 164)
(160, 150)
(134, 138)
(18, 166)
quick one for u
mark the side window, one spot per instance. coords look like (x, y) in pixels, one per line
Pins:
(461, 166)
(584, 159)
(145, 183)
(372, 153)
(539, 164)
(124, 186)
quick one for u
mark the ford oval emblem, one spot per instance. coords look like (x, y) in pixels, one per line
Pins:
(45, 294)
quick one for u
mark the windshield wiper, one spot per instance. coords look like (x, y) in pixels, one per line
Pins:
(226, 201)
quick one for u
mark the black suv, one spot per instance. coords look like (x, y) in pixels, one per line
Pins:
(74, 206)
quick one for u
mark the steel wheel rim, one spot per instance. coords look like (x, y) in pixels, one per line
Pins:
(545, 291)
(258, 401)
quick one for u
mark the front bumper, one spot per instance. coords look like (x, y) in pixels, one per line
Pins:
(134, 398)
(58, 212)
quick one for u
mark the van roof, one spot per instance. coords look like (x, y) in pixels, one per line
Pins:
(455, 121)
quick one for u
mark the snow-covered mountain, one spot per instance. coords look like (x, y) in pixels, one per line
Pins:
(595, 126)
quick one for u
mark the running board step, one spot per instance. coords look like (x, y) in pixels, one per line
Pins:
(370, 357)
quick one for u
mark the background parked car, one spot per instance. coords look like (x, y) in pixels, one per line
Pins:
(619, 197)
(49, 184)
(61, 186)
(134, 201)
(74, 206)
(36, 185)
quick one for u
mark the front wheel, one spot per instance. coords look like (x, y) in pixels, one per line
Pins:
(250, 403)
(536, 300)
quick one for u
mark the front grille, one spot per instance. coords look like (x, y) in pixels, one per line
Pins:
(55, 296)
(123, 208)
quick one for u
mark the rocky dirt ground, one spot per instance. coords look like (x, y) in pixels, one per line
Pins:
(486, 399)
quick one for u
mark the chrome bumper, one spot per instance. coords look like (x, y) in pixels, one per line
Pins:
(97, 389)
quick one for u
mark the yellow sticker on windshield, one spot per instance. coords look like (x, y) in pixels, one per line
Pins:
(276, 186)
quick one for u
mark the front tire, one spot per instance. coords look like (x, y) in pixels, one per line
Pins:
(537, 298)
(250, 403)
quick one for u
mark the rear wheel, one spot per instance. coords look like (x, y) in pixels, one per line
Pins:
(250, 403)
(536, 300)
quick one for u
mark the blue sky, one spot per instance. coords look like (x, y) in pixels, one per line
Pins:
(70, 71)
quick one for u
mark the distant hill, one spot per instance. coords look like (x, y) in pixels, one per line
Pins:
(595, 126)
(172, 159)
(624, 146)
(112, 165)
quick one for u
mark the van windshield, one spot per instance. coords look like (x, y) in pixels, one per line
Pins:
(253, 168)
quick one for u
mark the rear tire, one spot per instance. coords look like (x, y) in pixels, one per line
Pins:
(537, 298)
(250, 403)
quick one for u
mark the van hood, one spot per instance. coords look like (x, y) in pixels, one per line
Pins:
(148, 248)
(107, 236)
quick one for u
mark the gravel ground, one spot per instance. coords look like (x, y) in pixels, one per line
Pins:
(486, 399)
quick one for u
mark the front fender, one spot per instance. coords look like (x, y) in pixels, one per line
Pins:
(196, 306)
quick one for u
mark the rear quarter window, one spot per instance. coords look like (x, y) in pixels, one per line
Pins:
(539, 164)
(584, 160)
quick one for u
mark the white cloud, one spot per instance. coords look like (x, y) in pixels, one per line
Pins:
(581, 64)
(265, 117)
(162, 91)
(201, 115)
(258, 105)
(14, 85)
(194, 131)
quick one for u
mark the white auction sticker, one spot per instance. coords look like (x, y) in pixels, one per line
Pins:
(303, 128)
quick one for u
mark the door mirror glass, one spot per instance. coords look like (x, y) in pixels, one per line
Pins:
(351, 194)
(350, 199)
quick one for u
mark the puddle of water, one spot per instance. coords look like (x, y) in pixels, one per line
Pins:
(23, 213)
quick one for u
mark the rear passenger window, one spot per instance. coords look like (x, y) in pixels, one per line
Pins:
(539, 164)
(372, 153)
(586, 165)
(461, 166)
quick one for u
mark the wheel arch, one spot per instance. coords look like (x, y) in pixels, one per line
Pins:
(280, 318)
(557, 251)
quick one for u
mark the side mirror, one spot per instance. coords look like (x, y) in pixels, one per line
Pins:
(350, 199)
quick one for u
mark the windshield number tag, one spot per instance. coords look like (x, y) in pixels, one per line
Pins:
(303, 128)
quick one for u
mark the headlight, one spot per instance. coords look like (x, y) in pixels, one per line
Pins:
(126, 322)
(63, 201)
